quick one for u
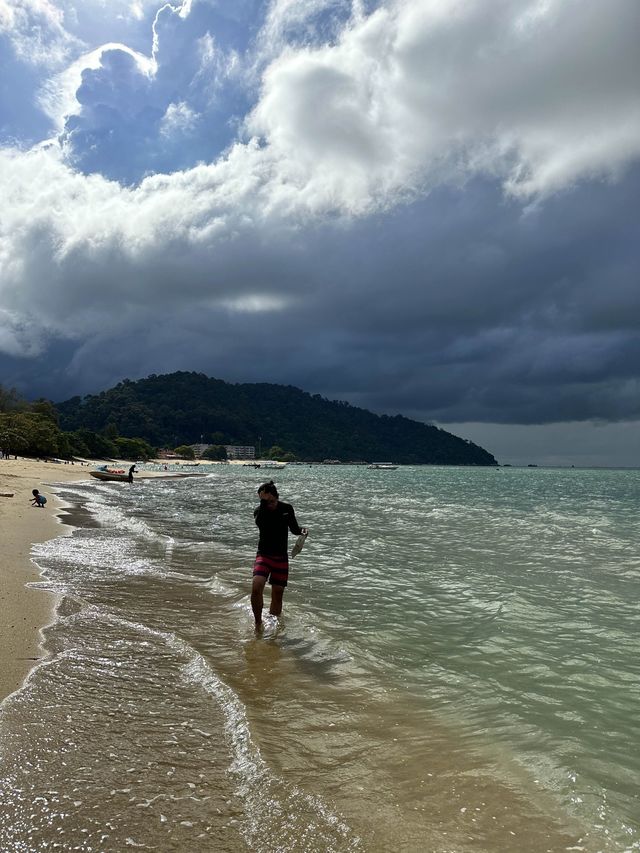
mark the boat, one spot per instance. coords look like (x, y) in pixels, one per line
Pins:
(273, 465)
(118, 476)
(382, 466)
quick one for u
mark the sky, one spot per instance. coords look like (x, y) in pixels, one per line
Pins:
(425, 207)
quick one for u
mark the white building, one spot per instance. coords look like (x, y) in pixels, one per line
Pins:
(235, 451)
(199, 449)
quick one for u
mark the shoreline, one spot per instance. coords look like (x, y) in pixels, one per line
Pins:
(25, 611)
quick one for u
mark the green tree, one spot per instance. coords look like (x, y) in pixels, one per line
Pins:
(133, 448)
(12, 438)
(111, 431)
(275, 452)
(215, 451)
(77, 446)
(43, 435)
(46, 409)
(29, 433)
(10, 400)
(98, 447)
(65, 445)
(185, 451)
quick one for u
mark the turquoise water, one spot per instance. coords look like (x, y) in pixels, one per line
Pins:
(456, 668)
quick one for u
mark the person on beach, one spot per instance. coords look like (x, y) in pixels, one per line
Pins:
(274, 519)
(38, 499)
(132, 471)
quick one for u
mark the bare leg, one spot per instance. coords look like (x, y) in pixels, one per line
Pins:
(256, 598)
(276, 600)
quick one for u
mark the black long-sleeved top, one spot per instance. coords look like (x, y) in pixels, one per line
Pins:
(274, 526)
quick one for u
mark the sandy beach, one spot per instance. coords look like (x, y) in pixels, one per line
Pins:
(24, 611)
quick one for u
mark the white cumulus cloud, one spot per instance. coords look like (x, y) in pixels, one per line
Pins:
(539, 94)
(36, 31)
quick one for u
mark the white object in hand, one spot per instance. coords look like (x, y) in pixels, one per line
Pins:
(299, 543)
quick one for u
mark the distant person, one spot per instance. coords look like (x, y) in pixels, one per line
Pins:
(132, 471)
(274, 519)
(38, 499)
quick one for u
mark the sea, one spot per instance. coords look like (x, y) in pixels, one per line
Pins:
(457, 667)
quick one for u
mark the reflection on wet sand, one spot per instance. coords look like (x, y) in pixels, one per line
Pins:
(401, 779)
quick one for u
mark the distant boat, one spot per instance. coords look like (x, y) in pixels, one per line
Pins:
(117, 476)
(273, 465)
(106, 473)
(382, 466)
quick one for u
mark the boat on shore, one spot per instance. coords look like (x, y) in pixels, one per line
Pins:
(118, 475)
(382, 466)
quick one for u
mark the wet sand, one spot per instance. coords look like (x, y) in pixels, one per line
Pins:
(23, 610)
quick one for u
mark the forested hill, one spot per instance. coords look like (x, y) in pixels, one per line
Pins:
(185, 408)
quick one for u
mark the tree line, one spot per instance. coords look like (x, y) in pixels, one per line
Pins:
(185, 408)
(33, 429)
(133, 419)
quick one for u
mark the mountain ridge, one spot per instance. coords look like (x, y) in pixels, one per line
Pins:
(187, 407)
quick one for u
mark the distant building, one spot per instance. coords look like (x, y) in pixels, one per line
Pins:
(199, 449)
(235, 451)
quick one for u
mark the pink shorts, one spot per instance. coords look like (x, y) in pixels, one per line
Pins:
(275, 569)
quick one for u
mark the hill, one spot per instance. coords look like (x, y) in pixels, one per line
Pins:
(185, 408)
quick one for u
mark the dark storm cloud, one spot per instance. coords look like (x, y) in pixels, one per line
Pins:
(460, 307)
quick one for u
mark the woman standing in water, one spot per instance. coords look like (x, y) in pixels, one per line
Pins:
(274, 519)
